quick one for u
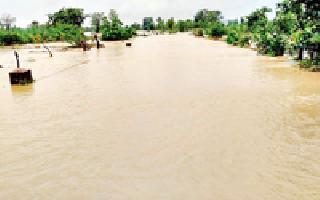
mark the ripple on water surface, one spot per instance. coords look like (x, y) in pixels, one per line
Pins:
(172, 117)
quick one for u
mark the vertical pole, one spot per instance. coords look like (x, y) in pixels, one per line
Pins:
(84, 46)
(17, 58)
(97, 31)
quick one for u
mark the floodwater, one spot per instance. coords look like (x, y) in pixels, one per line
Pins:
(173, 117)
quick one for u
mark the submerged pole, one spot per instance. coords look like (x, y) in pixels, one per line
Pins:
(49, 51)
(84, 46)
(17, 58)
(95, 37)
(20, 75)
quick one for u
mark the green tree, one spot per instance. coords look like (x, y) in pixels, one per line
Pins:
(136, 26)
(170, 23)
(182, 26)
(204, 17)
(74, 16)
(257, 18)
(160, 24)
(300, 20)
(148, 23)
(112, 28)
(96, 20)
(216, 29)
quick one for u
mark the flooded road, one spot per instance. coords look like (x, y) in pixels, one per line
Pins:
(173, 117)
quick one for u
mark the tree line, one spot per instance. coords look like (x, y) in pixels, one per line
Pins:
(64, 25)
(294, 30)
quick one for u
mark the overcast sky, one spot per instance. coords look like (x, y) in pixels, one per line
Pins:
(130, 10)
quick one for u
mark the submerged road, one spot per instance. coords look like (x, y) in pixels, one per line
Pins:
(173, 117)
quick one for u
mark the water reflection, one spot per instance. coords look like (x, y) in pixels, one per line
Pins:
(25, 90)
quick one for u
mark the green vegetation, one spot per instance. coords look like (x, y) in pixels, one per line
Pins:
(74, 16)
(112, 28)
(184, 25)
(216, 29)
(148, 24)
(198, 32)
(41, 34)
(170, 25)
(209, 23)
(64, 25)
(295, 30)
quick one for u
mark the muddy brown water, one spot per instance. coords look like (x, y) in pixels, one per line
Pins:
(172, 117)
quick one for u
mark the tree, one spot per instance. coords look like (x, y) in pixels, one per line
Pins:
(182, 26)
(300, 21)
(160, 24)
(96, 20)
(257, 18)
(204, 17)
(113, 15)
(216, 29)
(189, 24)
(170, 23)
(112, 28)
(268, 35)
(136, 26)
(7, 21)
(148, 23)
(114, 18)
(74, 16)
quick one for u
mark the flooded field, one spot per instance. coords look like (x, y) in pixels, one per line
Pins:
(173, 117)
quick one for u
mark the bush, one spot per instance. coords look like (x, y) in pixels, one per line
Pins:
(216, 30)
(198, 32)
(118, 33)
(244, 40)
(233, 37)
(60, 32)
(272, 45)
(8, 38)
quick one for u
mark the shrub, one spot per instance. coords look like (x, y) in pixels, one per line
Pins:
(118, 33)
(216, 30)
(233, 37)
(198, 32)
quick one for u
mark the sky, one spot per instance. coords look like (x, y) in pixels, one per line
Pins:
(130, 11)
